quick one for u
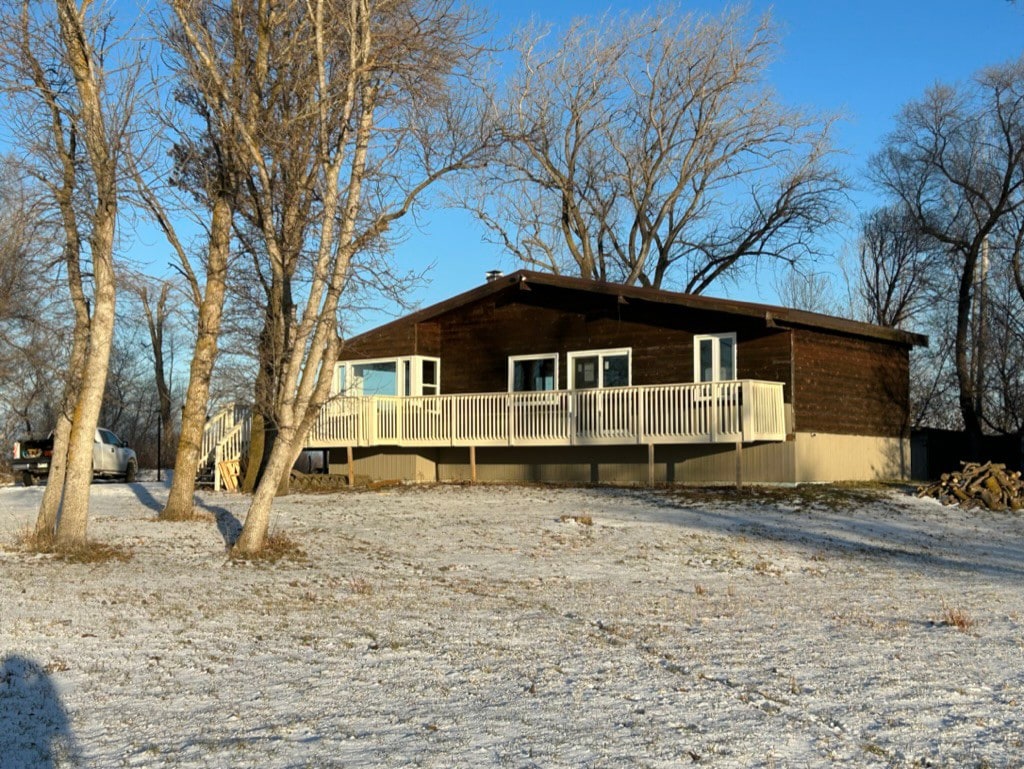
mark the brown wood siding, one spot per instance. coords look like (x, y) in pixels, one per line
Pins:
(385, 342)
(836, 383)
(476, 341)
(849, 386)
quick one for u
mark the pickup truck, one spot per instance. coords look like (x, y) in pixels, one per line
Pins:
(111, 458)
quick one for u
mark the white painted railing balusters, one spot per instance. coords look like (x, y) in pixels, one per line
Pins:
(725, 412)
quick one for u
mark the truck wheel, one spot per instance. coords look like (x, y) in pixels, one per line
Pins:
(28, 479)
(129, 473)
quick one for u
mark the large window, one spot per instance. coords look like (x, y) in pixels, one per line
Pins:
(530, 373)
(714, 358)
(412, 375)
(376, 378)
(600, 368)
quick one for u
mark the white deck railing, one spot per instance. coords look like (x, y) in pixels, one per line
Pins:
(713, 412)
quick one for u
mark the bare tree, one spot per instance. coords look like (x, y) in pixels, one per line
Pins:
(1004, 333)
(203, 187)
(154, 304)
(349, 112)
(811, 291)
(71, 114)
(649, 149)
(894, 272)
(955, 167)
(33, 324)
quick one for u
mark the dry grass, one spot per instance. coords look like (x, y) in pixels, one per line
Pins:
(360, 586)
(953, 616)
(195, 514)
(829, 496)
(582, 520)
(277, 546)
(45, 543)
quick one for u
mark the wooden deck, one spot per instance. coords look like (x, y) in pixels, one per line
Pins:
(741, 411)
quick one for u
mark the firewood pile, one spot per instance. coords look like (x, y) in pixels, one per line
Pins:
(986, 485)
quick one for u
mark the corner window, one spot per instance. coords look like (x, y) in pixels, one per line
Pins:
(532, 373)
(409, 376)
(600, 368)
(714, 358)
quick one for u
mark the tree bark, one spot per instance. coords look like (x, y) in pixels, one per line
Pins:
(193, 417)
(71, 527)
(72, 523)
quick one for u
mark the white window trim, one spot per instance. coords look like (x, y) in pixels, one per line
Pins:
(716, 360)
(513, 359)
(414, 386)
(417, 375)
(601, 354)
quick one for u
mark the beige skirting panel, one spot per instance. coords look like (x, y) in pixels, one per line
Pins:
(809, 457)
(825, 457)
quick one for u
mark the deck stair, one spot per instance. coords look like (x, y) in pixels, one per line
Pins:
(225, 441)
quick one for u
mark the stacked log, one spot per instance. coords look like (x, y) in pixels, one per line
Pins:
(986, 485)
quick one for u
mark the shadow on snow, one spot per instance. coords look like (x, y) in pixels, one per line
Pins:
(903, 537)
(35, 730)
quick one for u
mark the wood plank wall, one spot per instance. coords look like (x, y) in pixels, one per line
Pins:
(849, 386)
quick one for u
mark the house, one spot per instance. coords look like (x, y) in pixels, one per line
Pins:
(537, 377)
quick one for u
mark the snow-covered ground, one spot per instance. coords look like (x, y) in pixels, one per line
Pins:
(492, 627)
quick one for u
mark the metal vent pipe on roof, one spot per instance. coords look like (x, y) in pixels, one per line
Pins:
(493, 275)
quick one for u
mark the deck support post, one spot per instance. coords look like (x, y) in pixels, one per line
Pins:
(351, 467)
(739, 464)
(472, 464)
(650, 464)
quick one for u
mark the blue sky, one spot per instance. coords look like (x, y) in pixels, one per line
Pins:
(862, 59)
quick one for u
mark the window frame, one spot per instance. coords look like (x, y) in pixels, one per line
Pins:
(716, 356)
(513, 359)
(600, 354)
(408, 375)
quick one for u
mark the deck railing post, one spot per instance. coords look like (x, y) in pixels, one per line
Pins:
(714, 410)
(216, 469)
(640, 414)
(510, 419)
(746, 395)
(573, 416)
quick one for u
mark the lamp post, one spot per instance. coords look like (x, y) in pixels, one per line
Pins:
(159, 446)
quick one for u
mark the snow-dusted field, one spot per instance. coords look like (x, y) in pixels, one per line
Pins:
(486, 627)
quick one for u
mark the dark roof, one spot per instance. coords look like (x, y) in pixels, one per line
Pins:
(774, 316)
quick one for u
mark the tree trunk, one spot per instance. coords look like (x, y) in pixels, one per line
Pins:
(49, 508)
(253, 465)
(257, 520)
(71, 528)
(155, 320)
(74, 515)
(968, 401)
(266, 392)
(193, 416)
